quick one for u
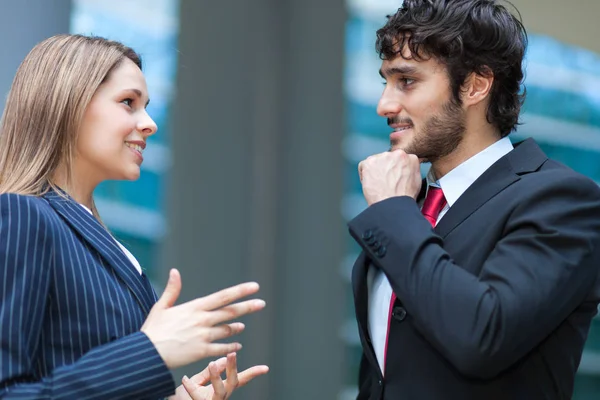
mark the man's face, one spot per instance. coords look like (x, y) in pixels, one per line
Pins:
(418, 104)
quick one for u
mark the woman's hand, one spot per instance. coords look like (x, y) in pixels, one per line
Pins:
(186, 333)
(196, 388)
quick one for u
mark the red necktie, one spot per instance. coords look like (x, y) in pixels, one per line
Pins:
(432, 206)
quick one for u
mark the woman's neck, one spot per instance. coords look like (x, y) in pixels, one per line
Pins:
(79, 189)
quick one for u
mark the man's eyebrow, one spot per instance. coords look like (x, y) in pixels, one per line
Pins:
(400, 70)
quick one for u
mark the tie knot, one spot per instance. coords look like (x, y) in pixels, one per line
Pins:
(433, 204)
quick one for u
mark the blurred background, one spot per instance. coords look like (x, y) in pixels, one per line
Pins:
(264, 109)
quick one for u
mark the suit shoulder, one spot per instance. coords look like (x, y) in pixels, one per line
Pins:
(16, 201)
(554, 175)
(26, 208)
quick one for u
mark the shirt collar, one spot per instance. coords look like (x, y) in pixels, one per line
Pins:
(86, 209)
(457, 181)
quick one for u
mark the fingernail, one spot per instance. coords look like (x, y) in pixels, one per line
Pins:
(260, 303)
(186, 379)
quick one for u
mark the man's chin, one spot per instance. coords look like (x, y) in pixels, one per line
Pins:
(407, 150)
(394, 147)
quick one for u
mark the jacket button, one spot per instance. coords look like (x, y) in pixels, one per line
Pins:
(380, 382)
(368, 234)
(399, 313)
(381, 252)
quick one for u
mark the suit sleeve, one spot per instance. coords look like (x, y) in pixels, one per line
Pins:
(538, 273)
(129, 367)
(365, 379)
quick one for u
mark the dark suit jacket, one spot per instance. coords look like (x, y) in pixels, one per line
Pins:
(497, 300)
(71, 308)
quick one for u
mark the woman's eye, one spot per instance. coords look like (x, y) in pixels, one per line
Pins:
(128, 102)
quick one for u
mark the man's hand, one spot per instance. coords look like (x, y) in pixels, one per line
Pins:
(390, 174)
(185, 333)
(194, 388)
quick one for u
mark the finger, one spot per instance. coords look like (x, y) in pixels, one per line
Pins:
(416, 164)
(203, 377)
(360, 170)
(247, 375)
(172, 290)
(399, 152)
(234, 311)
(217, 382)
(413, 162)
(224, 331)
(226, 296)
(221, 349)
(232, 377)
(189, 386)
(400, 156)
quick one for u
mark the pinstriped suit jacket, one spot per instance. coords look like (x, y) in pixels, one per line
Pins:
(71, 308)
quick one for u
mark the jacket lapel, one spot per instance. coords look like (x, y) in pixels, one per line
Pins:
(526, 157)
(361, 304)
(359, 285)
(98, 237)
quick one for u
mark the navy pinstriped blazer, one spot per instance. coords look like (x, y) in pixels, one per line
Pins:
(71, 308)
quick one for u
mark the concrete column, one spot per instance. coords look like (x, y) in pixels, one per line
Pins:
(256, 182)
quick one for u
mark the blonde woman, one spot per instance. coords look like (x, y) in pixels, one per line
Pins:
(78, 317)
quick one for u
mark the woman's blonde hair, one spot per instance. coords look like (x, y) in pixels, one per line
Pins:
(45, 106)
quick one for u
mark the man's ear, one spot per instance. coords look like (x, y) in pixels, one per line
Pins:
(477, 88)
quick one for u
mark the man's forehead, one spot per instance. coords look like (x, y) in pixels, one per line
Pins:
(406, 62)
(405, 52)
(401, 65)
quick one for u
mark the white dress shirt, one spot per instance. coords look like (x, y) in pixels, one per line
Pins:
(130, 256)
(453, 184)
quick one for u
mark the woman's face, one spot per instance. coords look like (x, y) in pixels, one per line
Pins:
(115, 127)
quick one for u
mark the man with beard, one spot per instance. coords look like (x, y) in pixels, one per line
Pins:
(480, 281)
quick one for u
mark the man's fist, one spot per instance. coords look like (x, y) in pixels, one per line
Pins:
(390, 174)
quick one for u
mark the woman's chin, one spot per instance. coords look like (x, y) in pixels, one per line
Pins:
(133, 177)
(131, 174)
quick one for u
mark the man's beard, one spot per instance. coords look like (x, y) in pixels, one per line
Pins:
(440, 135)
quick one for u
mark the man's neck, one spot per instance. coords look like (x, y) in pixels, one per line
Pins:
(472, 144)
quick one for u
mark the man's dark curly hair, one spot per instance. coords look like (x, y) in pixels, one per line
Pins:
(466, 36)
